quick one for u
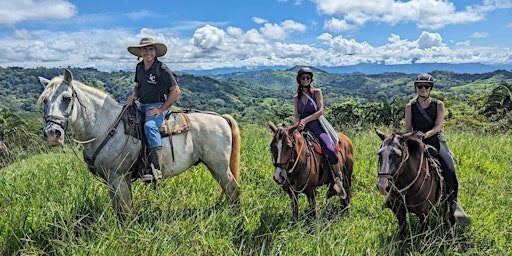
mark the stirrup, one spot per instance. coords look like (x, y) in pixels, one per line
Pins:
(156, 175)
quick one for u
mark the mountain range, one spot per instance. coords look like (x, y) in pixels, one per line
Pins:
(374, 68)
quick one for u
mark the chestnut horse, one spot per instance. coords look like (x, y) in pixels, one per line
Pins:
(300, 168)
(411, 176)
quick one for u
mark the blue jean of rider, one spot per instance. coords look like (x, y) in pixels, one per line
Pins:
(152, 123)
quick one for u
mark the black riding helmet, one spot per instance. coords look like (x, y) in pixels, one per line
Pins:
(424, 78)
(304, 70)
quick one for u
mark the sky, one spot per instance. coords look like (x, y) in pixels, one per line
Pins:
(211, 34)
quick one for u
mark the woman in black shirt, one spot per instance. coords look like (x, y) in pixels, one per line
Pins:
(426, 114)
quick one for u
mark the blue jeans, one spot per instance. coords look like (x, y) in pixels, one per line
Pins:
(152, 123)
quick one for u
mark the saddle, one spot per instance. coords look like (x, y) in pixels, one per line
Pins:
(313, 142)
(133, 120)
(174, 123)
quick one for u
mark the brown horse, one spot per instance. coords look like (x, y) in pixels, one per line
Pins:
(300, 168)
(411, 175)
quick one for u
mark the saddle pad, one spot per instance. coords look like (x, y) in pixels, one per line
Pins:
(176, 123)
(315, 144)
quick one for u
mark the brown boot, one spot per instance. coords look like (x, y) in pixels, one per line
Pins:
(338, 182)
(155, 158)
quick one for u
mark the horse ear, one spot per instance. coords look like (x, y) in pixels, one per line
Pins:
(381, 135)
(292, 128)
(68, 77)
(272, 126)
(44, 81)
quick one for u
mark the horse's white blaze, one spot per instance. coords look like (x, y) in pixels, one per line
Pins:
(278, 172)
(279, 149)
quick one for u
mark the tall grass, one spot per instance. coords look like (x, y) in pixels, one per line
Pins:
(51, 204)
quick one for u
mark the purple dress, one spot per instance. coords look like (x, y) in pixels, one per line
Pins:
(315, 127)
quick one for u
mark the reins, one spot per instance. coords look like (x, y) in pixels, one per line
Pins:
(292, 187)
(418, 173)
(107, 134)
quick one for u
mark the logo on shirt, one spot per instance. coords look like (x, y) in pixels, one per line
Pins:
(152, 79)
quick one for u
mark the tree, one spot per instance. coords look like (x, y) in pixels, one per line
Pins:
(499, 103)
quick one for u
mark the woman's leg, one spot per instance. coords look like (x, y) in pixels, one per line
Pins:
(448, 167)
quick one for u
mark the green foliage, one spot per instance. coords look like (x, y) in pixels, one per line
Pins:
(51, 204)
(369, 99)
(499, 102)
(18, 136)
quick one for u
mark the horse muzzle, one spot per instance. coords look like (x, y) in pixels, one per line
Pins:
(279, 175)
(54, 134)
(384, 185)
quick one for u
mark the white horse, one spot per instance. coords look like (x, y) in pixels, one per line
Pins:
(91, 114)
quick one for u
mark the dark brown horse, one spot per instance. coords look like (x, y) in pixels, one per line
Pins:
(301, 168)
(411, 175)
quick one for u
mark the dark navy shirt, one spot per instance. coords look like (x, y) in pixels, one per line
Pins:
(154, 85)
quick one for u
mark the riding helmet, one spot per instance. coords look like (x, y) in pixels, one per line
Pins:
(305, 70)
(424, 78)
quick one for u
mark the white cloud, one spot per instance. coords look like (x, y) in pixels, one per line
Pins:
(479, 35)
(427, 14)
(337, 25)
(12, 12)
(212, 47)
(281, 31)
(429, 40)
(208, 38)
(139, 15)
(259, 20)
(24, 34)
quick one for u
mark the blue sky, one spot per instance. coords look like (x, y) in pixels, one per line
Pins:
(204, 35)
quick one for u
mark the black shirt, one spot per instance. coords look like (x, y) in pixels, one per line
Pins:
(420, 123)
(154, 83)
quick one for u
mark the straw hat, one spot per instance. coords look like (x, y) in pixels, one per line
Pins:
(161, 49)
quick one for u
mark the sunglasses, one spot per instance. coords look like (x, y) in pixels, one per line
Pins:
(305, 77)
(421, 86)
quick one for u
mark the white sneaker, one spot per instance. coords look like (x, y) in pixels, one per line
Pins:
(338, 187)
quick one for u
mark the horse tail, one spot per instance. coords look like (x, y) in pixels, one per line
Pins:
(347, 155)
(234, 161)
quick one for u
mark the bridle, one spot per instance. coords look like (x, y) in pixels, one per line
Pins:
(284, 165)
(62, 122)
(392, 177)
(296, 161)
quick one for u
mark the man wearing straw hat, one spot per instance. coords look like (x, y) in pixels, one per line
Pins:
(156, 89)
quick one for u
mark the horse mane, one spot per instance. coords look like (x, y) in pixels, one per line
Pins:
(56, 81)
(50, 88)
(414, 144)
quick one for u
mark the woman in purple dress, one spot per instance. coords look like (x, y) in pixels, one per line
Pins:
(309, 106)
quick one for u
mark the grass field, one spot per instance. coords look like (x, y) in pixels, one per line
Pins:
(51, 204)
